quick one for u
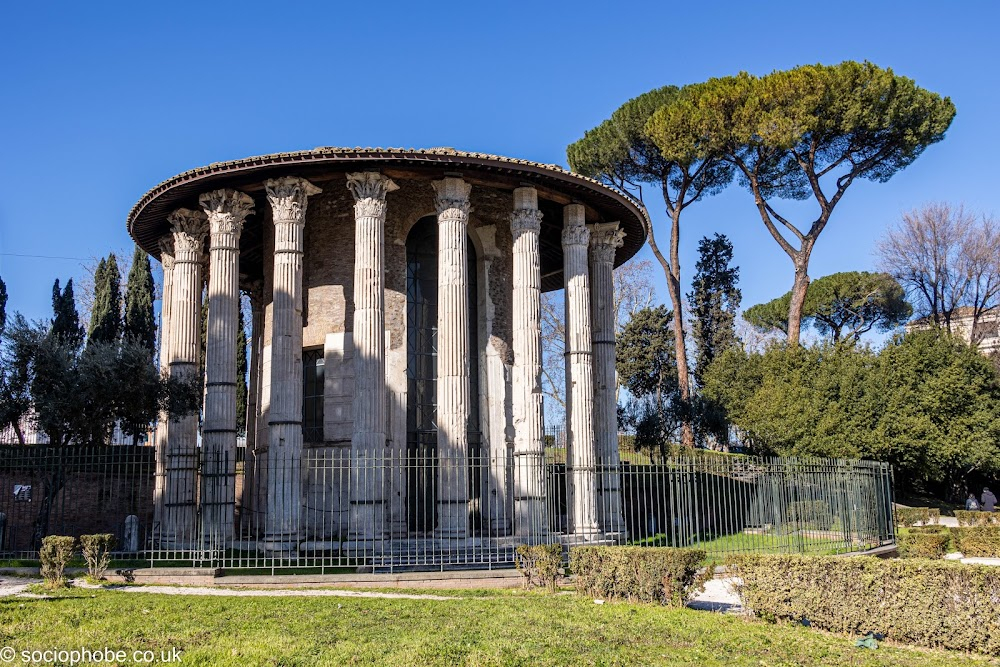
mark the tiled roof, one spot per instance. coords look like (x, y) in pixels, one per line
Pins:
(146, 221)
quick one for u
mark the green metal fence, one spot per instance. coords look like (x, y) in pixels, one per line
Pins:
(716, 502)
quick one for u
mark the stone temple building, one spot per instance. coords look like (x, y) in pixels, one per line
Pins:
(395, 361)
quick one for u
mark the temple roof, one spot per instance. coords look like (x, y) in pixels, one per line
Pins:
(147, 220)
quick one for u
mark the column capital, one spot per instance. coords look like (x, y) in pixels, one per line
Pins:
(189, 229)
(452, 195)
(605, 238)
(369, 189)
(166, 243)
(226, 210)
(288, 197)
(525, 220)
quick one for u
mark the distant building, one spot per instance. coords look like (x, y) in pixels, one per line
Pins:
(985, 335)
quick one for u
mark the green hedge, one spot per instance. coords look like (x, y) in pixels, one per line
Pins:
(977, 541)
(639, 574)
(968, 518)
(923, 545)
(540, 564)
(928, 530)
(923, 602)
(910, 516)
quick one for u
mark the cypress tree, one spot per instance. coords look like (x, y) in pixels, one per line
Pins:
(714, 302)
(66, 321)
(140, 325)
(105, 318)
(3, 305)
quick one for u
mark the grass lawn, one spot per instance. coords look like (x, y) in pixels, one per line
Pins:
(494, 628)
(720, 547)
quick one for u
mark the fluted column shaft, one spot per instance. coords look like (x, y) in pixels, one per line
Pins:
(582, 502)
(605, 238)
(177, 530)
(288, 198)
(367, 511)
(249, 504)
(162, 429)
(453, 357)
(226, 210)
(529, 447)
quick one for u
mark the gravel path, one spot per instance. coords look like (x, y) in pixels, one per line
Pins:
(717, 596)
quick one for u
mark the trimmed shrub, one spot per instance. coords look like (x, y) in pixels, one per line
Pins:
(934, 515)
(923, 545)
(56, 552)
(976, 518)
(911, 516)
(928, 530)
(663, 575)
(810, 513)
(977, 541)
(929, 603)
(97, 552)
(539, 563)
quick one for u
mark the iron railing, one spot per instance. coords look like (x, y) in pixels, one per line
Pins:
(327, 509)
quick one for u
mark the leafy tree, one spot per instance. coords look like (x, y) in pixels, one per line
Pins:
(106, 316)
(947, 259)
(926, 403)
(621, 152)
(809, 132)
(140, 324)
(714, 300)
(647, 366)
(78, 393)
(15, 394)
(66, 321)
(842, 306)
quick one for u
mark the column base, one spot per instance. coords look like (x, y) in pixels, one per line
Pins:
(453, 520)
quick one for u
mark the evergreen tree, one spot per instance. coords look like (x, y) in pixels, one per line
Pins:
(66, 321)
(140, 325)
(106, 318)
(805, 133)
(714, 299)
(241, 373)
(646, 362)
(3, 305)
(842, 306)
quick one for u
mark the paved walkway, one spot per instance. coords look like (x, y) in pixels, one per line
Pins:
(717, 595)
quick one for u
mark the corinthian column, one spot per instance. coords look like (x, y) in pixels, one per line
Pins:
(177, 529)
(226, 210)
(529, 448)
(605, 238)
(167, 261)
(453, 357)
(288, 197)
(367, 517)
(250, 505)
(582, 470)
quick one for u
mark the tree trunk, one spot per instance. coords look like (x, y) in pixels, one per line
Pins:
(54, 483)
(672, 271)
(799, 287)
(18, 432)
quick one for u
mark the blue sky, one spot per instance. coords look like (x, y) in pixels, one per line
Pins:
(102, 101)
